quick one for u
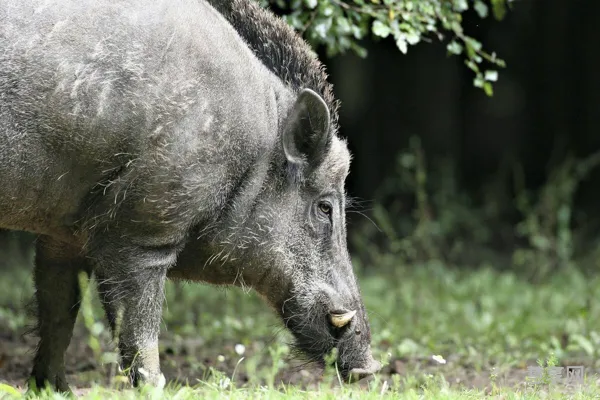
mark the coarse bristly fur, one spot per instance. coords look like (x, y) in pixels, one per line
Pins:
(280, 48)
(173, 139)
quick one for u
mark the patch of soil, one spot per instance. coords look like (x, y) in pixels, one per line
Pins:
(181, 362)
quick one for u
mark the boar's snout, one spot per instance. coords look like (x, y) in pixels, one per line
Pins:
(323, 324)
(371, 367)
(355, 359)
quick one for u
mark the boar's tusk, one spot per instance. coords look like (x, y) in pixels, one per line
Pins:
(340, 320)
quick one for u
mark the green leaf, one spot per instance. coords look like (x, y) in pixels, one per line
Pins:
(359, 50)
(473, 46)
(381, 29)
(489, 90)
(401, 43)
(499, 9)
(461, 5)
(357, 32)
(322, 27)
(481, 8)
(472, 66)
(454, 47)
(294, 20)
(491, 76)
(412, 38)
(328, 10)
(343, 26)
(311, 3)
(478, 81)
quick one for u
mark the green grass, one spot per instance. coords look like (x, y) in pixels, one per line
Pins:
(488, 326)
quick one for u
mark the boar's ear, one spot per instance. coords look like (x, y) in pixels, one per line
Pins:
(306, 135)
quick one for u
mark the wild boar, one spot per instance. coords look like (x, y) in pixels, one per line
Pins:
(174, 139)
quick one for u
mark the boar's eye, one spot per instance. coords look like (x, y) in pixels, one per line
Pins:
(325, 208)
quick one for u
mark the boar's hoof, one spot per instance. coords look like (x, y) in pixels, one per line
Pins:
(144, 377)
(58, 383)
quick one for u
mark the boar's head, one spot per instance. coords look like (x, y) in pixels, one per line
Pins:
(307, 274)
(285, 236)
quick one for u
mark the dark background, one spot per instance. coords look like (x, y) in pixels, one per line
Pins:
(545, 104)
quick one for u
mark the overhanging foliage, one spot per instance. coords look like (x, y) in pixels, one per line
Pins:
(341, 25)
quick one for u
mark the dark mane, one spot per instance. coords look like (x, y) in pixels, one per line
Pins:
(280, 49)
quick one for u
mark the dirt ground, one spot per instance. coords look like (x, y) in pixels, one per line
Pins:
(181, 363)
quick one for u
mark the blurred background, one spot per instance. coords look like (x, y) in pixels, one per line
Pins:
(500, 175)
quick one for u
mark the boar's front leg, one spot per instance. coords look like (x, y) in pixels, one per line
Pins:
(131, 286)
(57, 266)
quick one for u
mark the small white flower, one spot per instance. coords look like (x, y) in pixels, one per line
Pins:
(240, 349)
(221, 358)
(439, 359)
(224, 383)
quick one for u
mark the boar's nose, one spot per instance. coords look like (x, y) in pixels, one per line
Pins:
(340, 319)
(371, 367)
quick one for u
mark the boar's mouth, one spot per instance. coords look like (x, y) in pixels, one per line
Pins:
(316, 333)
(313, 339)
(356, 363)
